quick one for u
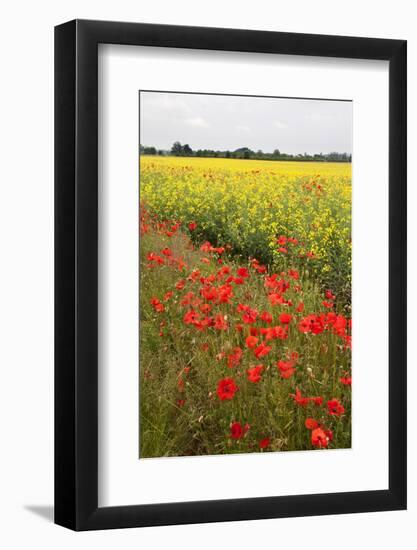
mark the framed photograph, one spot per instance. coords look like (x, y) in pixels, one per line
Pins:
(230, 245)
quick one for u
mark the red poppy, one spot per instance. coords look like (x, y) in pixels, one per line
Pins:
(191, 317)
(311, 424)
(300, 307)
(283, 250)
(282, 239)
(286, 368)
(335, 408)
(346, 380)
(266, 317)
(275, 299)
(166, 252)
(293, 274)
(329, 305)
(254, 374)
(243, 272)
(319, 438)
(263, 444)
(236, 430)
(226, 389)
(285, 318)
(251, 341)
(281, 332)
(205, 308)
(180, 402)
(180, 285)
(234, 358)
(157, 305)
(192, 226)
(262, 350)
(220, 322)
(250, 316)
(329, 295)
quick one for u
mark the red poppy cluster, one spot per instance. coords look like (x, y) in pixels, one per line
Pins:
(217, 300)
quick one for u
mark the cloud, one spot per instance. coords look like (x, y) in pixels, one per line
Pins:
(242, 128)
(280, 125)
(196, 122)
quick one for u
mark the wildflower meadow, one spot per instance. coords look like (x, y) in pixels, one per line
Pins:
(245, 306)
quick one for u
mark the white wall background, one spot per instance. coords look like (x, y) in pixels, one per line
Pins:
(26, 270)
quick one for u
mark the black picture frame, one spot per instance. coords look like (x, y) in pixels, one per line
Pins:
(76, 272)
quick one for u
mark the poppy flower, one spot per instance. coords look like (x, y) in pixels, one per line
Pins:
(281, 332)
(311, 424)
(236, 430)
(191, 317)
(180, 285)
(192, 226)
(205, 308)
(275, 299)
(266, 317)
(251, 341)
(262, 350)
(234, 358)
(282, 239)
(250, 316)
(286, 368)
(329, 295)
(220, 322)
(283, 250)
(346, 380)
(166, 252)
(335, 408)
(319, 438)
(254, 373)
(300, 307)
(263, 444)
(243, 272)
(285, 318)
(226, 389)
(157, 305)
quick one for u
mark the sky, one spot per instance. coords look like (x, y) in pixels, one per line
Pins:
(228, 122)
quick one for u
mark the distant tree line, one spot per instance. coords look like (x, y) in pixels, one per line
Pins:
(179, 150)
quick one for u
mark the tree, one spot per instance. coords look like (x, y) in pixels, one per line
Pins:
(186, 150)
(176, 149)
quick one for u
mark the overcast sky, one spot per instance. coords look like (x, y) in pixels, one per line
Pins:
(229, 122)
